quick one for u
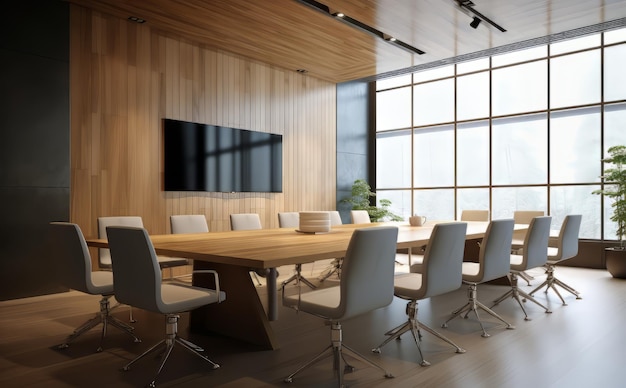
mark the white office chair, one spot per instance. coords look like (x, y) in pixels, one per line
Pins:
(335, 265)
(441, 273)
(189, 223)
(566, 248)
(534, 253)
(360, 217)
(366, 284)
(104, 255)
(475, 215)
(138, 282)
(104, 258)
(249, 221)
(335, 218)
(292, 220)
(493, 263)
(523, 217)
(70, 253)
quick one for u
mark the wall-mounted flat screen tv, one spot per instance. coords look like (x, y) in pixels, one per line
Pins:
(201, 157)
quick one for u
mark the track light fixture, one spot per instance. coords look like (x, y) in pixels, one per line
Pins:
(361, 26)
(468, 5)
(475, 22)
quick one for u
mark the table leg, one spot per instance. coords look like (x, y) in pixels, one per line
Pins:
(241, 315)
(272, 295)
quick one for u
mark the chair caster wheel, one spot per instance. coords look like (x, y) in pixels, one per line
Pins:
(99, 350)
(377, 350)
(63, 346)
(288, 380)
(126, 369)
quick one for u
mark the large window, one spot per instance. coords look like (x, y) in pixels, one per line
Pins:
(524, 130)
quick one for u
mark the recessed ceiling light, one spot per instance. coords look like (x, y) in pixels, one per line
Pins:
(136, 19)
(302, 71)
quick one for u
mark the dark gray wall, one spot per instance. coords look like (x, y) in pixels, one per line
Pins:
(355, 140)
(34, 142)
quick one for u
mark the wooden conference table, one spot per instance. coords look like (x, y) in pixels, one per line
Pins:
(233, 253)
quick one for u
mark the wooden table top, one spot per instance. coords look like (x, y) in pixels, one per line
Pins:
(270, 248)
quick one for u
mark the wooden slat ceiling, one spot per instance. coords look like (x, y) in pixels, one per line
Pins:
(291, 35)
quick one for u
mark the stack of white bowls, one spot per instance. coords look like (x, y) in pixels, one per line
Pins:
(314, 222)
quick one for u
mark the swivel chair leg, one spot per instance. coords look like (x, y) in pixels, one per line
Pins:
(526, 277)
(170, 340)
(104, 318)
(299, 278)
(515, 293)
(414, 325)
(337, 350)
(473, 305)
(551, 282)
(335, 267)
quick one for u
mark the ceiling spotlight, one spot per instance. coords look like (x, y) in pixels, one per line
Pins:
(339, 14)
(475, 22)
(136, 19)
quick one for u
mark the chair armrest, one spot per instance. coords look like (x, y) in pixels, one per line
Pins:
(297, 306)
(217, 281)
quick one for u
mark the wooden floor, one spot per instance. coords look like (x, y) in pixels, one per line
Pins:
(582, 344)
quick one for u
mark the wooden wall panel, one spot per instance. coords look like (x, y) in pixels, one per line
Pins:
(125, 78)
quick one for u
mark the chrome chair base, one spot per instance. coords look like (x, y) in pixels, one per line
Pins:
(337, 350)
(473, 305)
(104, 318)
(334, 268)
(414, 326)
(526, 277)
(299, 278)
(551, 282)
(170, 340)
(515, 293)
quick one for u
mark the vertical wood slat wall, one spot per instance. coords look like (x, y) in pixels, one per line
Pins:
(126, 77)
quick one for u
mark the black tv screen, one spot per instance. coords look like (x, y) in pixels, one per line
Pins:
(201, 157)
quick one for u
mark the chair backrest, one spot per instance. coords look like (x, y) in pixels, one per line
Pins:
(335, 218)
(288, 219)
(245, 221)
(495, 250)
(443, 260)
(136, 271)
(367, 271)
(524, 217)
(535, 249)
(71, 255)
(475, 215)
(104, 256)
(360, 217)
(189, 223)
(567, 242)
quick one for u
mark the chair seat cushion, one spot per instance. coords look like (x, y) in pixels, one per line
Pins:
(322, 302)
(552, 255)
(179, 298)
(408, 286)
(101, 283)
(516, 263)
(471, 272)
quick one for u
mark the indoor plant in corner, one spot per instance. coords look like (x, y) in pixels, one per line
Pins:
(360, 200)
(615, 180)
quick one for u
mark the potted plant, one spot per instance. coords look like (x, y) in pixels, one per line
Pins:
(615, 178)
(360, 200)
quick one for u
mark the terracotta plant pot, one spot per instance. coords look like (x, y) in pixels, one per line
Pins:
(616, 262)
